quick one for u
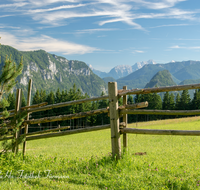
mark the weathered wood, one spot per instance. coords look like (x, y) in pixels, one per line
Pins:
(134, 106)
(125, 119)
(27, 117)
(81, 114)
(161, 112)
(35, 105)
(122, 124)
(63, 104)
(25, 108)
(48, 130)
(159, 132)
(66, 117)
(160, 89)
(68, 132)
(17, 108)
(114, 120)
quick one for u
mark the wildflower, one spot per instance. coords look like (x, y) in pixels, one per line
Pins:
(149, 164)
(197, 184)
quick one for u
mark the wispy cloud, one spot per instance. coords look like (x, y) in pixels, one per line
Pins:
(19, 4)
(185, 47)
(95, 30)
(56, 8)
(106, 11)
(169, 25)
(138, 51)
(46, 43)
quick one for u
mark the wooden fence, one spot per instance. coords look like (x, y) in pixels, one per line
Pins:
(114, 111)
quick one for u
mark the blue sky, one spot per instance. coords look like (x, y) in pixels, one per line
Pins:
(104, 33)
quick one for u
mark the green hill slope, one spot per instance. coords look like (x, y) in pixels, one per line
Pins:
(162, 78)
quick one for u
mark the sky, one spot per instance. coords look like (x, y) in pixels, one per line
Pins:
(104, 33)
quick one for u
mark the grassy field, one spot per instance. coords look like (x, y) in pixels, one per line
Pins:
(83, 161)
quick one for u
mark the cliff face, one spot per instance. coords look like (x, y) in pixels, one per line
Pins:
(50, 72)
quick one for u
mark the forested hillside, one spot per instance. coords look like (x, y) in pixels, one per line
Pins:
(51, 72)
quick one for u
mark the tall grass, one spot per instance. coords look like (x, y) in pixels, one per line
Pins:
(83, 161)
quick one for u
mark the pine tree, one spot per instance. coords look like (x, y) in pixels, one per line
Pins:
(177, 101)
(184, 103)
(130, 99)
(165, 104)
(196, 100)
(23, 100)
(8, 77)
(11, 100)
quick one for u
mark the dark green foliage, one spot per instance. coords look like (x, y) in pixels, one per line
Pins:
(196, 100)
(184, 103)
(8, 76)
(162, 78)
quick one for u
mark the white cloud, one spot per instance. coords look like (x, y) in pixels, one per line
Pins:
(19, 4)
(46, 43)
(137, 51)
(163, 4)
(185, 47)
(95, 30)
(48, 12)
(56, 8)
(169, 25)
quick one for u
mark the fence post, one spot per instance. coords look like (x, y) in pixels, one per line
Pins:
(17, 108)
(27, 117)
(125, 138)
(114, 119)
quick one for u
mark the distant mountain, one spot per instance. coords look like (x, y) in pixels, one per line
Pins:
(121, 70)
(50, 72)
(139, 65)
(109, 79)
(101, 74)
(161, 78)
(190, 81)
(179, 70)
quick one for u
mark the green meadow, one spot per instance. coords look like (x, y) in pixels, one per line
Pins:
(83, 161)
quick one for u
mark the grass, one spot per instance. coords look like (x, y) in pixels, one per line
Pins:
(83, 161)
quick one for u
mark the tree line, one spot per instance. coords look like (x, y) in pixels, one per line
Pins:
(169, 102)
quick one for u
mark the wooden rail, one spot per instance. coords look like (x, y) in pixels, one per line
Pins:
(159, 132)
(159, 89)
(161, 112)
(82, 114)
(70, 132)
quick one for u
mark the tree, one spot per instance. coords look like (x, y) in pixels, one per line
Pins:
(184, 103)
(177, 101)
(11, 100)
(8, 77)
(196, 100)
(130, 99)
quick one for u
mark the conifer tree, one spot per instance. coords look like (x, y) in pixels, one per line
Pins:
(196, 100)
(130, 99)
(11, 100)
(8, 76)
(177, 101)
(184, 100)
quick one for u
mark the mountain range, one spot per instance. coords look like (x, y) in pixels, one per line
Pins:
(50, 72)
(121, 70)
